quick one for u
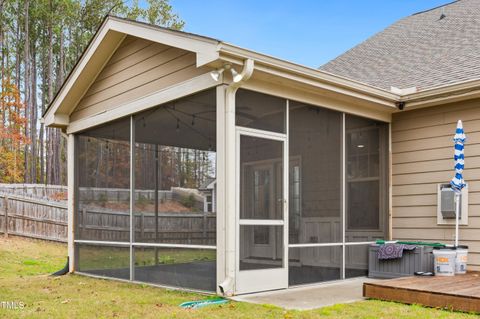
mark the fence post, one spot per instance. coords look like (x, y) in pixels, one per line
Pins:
(6, 216)
(82, 226)
(142, 226)
(205, 222)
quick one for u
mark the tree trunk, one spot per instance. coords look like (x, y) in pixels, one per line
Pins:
(26, 77)
(33, 118)
(59, 165)
(41, 137)
(3, 52)
(50, 90)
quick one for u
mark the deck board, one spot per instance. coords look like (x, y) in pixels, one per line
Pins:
(461, 292)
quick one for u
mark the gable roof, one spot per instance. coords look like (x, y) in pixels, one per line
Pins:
(209, 52)
(101, 47)
(424, 50)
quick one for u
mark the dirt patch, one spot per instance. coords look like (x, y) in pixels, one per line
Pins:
(168, 206)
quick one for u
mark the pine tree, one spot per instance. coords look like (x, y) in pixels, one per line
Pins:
(40, 42)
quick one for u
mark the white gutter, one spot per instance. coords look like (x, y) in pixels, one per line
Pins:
(443, 94)
(397, 101)
(236, 54)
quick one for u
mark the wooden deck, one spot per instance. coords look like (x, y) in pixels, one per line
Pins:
(461, 292)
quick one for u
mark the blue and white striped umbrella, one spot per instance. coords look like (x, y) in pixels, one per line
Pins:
(457, 182)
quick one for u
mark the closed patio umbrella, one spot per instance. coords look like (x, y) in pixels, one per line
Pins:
(457, 182)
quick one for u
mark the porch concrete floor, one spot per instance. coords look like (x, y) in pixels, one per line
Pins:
(311, 297)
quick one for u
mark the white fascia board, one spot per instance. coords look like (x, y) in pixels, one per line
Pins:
(206, 49)
(56, 120)
(343, 90)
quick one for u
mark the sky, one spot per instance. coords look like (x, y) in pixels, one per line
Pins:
(306, 32)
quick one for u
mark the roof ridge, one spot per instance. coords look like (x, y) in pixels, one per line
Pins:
(156, 26)
(431, 9)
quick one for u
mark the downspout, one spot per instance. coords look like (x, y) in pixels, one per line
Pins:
(71, 172)
(227, 286)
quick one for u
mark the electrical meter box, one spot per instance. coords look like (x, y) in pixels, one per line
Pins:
(447, 201)
(446, 205)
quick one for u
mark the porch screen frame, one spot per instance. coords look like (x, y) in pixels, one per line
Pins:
(131, 244)
(384, 196)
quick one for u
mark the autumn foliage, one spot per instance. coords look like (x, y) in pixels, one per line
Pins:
(12, 134)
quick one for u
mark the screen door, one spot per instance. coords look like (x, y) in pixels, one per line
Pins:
(261, 211)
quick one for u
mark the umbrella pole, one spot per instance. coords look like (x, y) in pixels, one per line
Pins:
(457, 213)
(156, 202)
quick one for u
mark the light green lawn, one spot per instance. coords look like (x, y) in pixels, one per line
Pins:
(25, 265)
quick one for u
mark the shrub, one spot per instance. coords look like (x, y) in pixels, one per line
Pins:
(188, 201)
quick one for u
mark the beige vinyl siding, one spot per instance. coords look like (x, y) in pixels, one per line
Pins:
(138, 68)
(422, 157)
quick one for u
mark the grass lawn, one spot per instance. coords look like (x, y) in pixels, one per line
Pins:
(25, 265)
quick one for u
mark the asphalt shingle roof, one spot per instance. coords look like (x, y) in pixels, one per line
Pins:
(422, 50)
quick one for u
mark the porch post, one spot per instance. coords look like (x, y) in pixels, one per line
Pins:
(157, 163)
(221, 210)
(231, 191)
(71, 191)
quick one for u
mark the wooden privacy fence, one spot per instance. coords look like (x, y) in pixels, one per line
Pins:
(173, 227)
(33, 217)
(35, 190)
(37, 215)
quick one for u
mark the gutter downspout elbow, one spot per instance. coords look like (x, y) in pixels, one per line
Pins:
(247, 71)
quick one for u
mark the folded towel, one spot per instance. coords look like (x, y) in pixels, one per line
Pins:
(393, 251)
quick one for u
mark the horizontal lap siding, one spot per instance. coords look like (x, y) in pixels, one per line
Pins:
(422, 157)
(138, 68)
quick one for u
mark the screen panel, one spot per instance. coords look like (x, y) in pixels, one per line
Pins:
(261, 247)
(175, 172)
(366, 179)
(103, 174)
(356, 261)
(315, 171)
(260, 111)
(309, 265)
(176, 267)
(102, 260)
(261, 178)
